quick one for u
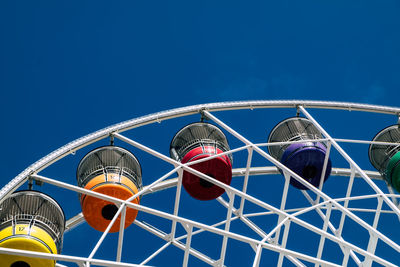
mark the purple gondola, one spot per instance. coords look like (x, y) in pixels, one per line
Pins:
(304, 158)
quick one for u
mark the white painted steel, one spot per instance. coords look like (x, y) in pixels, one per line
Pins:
(351, 161)
(77, 144)
(121, 233)
(275, 239)
(263, 204)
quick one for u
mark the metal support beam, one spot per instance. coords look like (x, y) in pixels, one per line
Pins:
(121, 233)
(351, 162)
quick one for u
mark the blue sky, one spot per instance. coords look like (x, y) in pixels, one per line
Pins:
(70, 68)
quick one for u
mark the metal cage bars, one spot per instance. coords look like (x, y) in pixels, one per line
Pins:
(79, 143)
(229, 190)
(318, 192)
(130, 141)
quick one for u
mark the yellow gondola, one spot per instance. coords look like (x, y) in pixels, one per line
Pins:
(30, 220)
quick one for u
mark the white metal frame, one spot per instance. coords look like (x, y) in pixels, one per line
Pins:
(269, 239)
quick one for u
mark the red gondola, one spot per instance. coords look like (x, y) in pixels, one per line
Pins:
(199, 141)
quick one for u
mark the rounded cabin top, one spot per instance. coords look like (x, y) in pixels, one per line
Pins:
(291, 129)
(380, 155)
(34, 208)
(109, 159)
(194, 135)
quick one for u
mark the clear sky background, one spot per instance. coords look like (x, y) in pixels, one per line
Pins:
(70, 68)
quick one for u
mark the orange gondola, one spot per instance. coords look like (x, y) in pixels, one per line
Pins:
(113, 171)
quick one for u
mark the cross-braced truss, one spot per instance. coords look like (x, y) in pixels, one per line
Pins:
(324, 226)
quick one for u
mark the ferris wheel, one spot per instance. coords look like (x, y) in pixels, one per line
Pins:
(251, 183)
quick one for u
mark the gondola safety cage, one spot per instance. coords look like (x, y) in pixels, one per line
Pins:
(113, 171)
(386, 157)
(30, 220)
(304, 158)
(197, 141)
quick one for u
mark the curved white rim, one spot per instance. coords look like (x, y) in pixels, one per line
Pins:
(207, 110)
